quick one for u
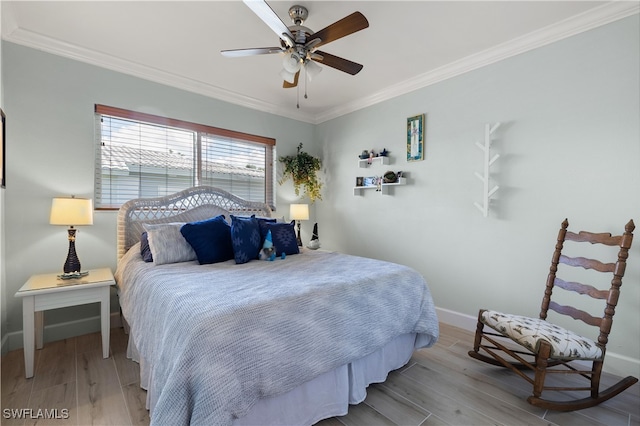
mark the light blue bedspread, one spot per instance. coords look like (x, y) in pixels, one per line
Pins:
(218, 337)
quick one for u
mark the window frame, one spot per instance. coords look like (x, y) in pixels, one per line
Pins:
(199, 129)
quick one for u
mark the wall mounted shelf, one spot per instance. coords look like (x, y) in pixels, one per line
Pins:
(382, 188)
(364, 163)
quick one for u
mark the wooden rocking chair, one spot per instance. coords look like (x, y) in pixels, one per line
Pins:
(547, 349)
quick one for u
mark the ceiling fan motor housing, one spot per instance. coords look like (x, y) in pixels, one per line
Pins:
(298, 14)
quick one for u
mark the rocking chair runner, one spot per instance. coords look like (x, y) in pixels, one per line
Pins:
(545, 345)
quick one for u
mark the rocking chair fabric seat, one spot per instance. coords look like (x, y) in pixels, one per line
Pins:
(528, 332)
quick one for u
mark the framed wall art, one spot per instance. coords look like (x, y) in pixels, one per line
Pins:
(2, 151)
(415, 138)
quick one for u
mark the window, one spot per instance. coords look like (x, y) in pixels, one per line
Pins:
(144, 155)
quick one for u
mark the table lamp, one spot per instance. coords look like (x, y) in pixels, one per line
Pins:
(71, 212)
(299, 212)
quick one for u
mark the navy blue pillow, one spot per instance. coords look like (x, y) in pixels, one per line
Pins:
(145, 250)
(283, 236)
(210, 239)
(245, 238)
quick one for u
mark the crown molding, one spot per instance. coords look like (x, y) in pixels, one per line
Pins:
(585, 21)
(102, 60)
(8, 22)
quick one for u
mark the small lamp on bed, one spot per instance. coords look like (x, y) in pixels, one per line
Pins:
(299, 212)
(71, 212)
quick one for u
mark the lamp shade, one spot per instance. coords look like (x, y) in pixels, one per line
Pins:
(71, 211)
(312, 69)
(291, 63)
(288, 76)
(299, 212)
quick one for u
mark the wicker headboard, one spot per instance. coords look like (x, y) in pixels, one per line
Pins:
(193, 204)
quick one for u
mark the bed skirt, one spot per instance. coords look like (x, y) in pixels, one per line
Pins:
(325, 396)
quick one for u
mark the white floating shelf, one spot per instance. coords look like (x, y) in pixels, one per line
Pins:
(371, 161)
(384, 188)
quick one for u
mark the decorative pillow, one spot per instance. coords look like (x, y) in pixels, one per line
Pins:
(167, 243)
(210, 239)
(145, 251)
(262, 220)
(283, 235)
(245, 238)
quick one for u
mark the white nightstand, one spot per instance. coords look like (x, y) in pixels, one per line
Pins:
(42, 292)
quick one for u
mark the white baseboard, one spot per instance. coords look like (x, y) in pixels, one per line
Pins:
(619, 365)
(12, 341)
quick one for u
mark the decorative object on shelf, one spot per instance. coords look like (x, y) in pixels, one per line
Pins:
(488, 161)
(371, 181)
(360, 181)
(299, 212)
(71, 212)
(314, 244)
(364, 155)
(415, 137)
(302, 168)
(73, 275)
(390, 177)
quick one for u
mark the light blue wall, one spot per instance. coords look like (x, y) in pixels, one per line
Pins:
(49, 102)
(569, 147)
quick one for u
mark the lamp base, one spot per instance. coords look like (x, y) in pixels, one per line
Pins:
(72, 264)
(298, 239)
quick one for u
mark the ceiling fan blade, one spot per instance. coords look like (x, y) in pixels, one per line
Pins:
(347, 25)
(288, 85)
(236, 53)
(269, 17)
(338, 63)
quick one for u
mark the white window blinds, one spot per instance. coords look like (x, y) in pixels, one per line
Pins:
(143, 155)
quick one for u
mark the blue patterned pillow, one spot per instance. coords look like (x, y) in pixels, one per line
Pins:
(283, 236)
(245, 238)
(210, 239)
(145, 250)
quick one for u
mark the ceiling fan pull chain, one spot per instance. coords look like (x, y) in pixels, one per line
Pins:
(298, 100)
(305, 82)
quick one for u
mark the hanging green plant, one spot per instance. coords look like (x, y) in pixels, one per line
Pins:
(302, 168)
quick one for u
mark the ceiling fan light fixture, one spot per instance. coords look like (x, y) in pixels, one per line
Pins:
(291, 63)
(312, 69)
(289, 77)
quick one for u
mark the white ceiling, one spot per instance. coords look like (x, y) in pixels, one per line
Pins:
(408, 45)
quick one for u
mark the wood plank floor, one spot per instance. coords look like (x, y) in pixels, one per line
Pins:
(439, 386)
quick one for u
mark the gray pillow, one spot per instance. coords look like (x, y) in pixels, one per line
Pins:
(167, 243)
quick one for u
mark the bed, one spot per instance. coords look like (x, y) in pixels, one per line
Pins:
(288, 341)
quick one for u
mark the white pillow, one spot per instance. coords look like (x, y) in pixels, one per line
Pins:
(167, 243)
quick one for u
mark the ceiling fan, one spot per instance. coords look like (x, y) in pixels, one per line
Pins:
(299, 43)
